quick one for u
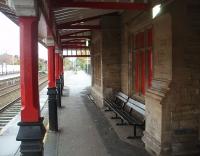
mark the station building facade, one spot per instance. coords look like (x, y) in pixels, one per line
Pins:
(155, 61)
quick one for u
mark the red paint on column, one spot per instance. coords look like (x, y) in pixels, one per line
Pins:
(51, 67)
(30, 111)
(57, 73)
(137, 61)
(143, 82)
(150, 37)
(60, 65)
(62, 68)
(150, 66)
(150, 59)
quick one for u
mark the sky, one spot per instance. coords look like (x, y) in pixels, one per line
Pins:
(9, 38)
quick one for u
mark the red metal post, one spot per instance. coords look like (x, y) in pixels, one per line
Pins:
(137, 60)
(61, 74)
(150, 65)
(57, 74)
(62, 66)
(52, 93)
(150, 59)
(143, 83)
(59, 67)
(31, 128)
(51, 67)
(29, 69)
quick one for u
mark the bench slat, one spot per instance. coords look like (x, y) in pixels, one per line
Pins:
(125, 105)
(138, 109)
(141, 105)
(122, 95)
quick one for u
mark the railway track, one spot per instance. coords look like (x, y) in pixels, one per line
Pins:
(11, 109)
(10, 93)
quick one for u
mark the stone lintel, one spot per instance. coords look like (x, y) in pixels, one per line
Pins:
(24, 7)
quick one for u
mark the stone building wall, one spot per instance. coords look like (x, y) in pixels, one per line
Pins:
(124, 61)
(106, 44)
(172, 103)
(111, 51)
(96, 61)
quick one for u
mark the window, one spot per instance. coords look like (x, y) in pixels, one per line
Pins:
(142, 61)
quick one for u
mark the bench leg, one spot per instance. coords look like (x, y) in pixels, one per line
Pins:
(115, 117)
(122, 123)
(135, 134)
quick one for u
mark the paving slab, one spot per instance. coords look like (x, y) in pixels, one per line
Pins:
(4, 77)
(83, 128)
(8, 144)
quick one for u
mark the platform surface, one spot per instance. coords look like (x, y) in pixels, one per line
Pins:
(4, 77)
(8, 144)
(83, 129)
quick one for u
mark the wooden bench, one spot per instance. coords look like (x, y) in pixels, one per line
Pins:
(134, 114)
(128, 110)
(116, 101)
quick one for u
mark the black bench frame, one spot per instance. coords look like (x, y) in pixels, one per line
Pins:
(123, 106)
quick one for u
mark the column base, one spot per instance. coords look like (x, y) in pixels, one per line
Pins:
(31, 136)
(61, 84)
(185, 142)
(154, 147)
(58, 92)
(53, 117)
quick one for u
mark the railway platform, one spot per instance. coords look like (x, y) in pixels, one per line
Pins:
(145, 50)
(83, 128)
(4, 77)
(9, 145)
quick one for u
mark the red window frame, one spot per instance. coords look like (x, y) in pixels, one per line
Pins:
(143, 64)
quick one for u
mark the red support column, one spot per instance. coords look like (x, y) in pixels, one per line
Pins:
(59, 67)
(60, 63)
(62, 72)
(150, 59)
(52, 93)
(32, 130)
(150, 66)
(137, 61)
(29, 69)
(57, 75)
(51, 67)
(62, 66)
(57, 72)
(143, 83)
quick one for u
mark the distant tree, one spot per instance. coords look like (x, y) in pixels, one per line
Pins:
(42, 65)
(6, 58)
(68, 64)
(81, 63)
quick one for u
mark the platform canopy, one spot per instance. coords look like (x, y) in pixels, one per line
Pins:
(71, 21)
